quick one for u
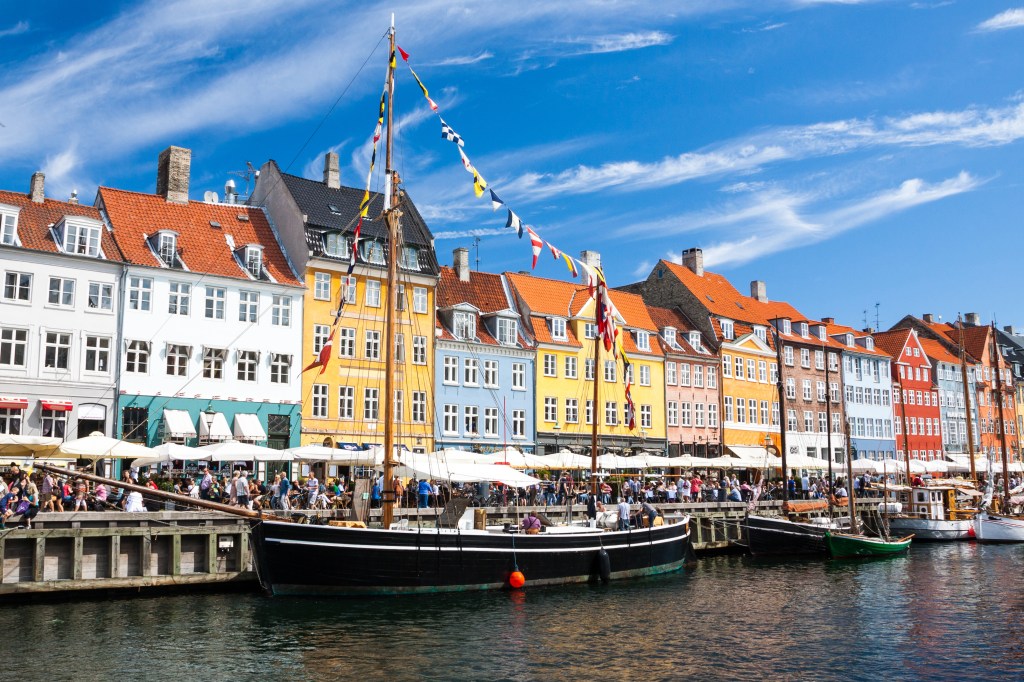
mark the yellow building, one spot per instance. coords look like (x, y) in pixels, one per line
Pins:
(560, 318)
(750, 401)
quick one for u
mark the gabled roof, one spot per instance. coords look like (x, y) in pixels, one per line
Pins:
(203, 247)
(337, 209)
(484, 290)
(976, 340)
(668, 317)
(34, 221)
(739, 330)
(546, 296)
(937, 352)
(833, 330)
(893, 342)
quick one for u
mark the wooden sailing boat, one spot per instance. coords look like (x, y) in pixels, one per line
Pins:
(303, 559)
(1008, 526)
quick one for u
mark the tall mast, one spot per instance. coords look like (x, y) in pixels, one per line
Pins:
(903, 419)
(593, 412)
(967, 400)
(392, 217)
(828, 433)
(782, 414)
(1002, 422)
(854, 526)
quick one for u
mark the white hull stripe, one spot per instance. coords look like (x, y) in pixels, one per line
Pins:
(492, 550)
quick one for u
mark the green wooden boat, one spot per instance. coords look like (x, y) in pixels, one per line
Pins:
(845, 546)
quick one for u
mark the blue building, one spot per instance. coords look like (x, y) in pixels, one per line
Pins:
(484, 378)
(867, 387)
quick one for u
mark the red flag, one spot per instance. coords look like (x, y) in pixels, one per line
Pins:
(405, 55)
(324, 358)
(536, 244)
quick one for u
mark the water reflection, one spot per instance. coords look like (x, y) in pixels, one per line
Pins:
(942, 612)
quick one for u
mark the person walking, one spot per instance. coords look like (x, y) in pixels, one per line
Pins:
(623, 507)
(205, 484)
(312, 490)
(283, 487)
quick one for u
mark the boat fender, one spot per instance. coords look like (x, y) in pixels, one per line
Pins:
(604, 566)
(516, 580)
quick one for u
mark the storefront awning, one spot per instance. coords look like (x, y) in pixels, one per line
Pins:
(214, 427)
(754, 457)
(248, 427)
(13, 403)
(178, 424)
(56, 405)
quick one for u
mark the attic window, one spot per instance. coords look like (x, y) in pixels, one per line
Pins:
(167, 247)
(803, 329)
(821, 333)
(9, 226)
(373, 252)
(333, 209)
(670, 336)
(254, 260)
(214, 224)
(643, 340)
(244, 217)
(869, 343)
(558, 329)
(787, 327)
(761, 333)
(695, 340)
(849, 339)
(410, 258)
(464, 325)
(708, 296)
(336, 245)
(727, 330)
(81, 239)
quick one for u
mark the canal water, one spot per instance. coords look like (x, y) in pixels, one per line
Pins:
(943, 612)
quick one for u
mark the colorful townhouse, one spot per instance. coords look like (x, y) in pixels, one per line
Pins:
(559, 321)
(978, 342)
(484, 388)
(691, 386)
(953, 413)
(210, 311)
(344, 406)
(747, 329)
(58, 316)
(1011, 343)
(867, 396)
(916, 413)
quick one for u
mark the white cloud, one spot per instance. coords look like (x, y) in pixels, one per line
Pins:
(620, 42)
(1011, 18)
(462, 234)
(463, 60)
(62, 173)
(18, 28)
(643, 268)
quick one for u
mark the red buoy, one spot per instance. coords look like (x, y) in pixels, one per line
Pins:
(517, 579)
(970, 531)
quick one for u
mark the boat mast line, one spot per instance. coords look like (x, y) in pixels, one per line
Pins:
(967, 400)
(782, 414)
(1002, 423)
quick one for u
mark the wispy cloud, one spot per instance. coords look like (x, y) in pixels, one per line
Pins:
(463, 60)
(620, 42)
(765, 27)
(1011, 18)
(463, 234)
(18, 28)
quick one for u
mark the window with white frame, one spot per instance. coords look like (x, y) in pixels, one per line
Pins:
(213, 363)
(645, 375)
(646, 416)
(589, 330)
(337, 245)
(822, 422)
(694, 338)
(464, 325)
(808, 421)
(346, 342)
(588, 412)
(558, 332)
(741, 411)
(726, 365)
(588, 369)
(322, 286)
(56, 350)
(751, 370)
(55, 423)
(490, 422)
(807, 389)
(320, 394)
(627, 375)
(609, 371)
(471, 420)
(373, 252)
(371, 346)
(550, 365)
(550, 409)
(670, 373)
(451, 370)
(62, 292)
(790, 388)
(371, 404)
(821, 391)
(320, 334)
(611, 413)
(471, 372)
(684, 374)
(712, 377)
(280, 368)
(451, 419)
(82, 239)
(819, 359)
(572, 411)
(410, 258)
(805, 358)
(643, 340)
(399, 347)
(18, 286)
(419, 300)
(686, 411)
(787, 355)
(698, 376)
(518, 423)
(177, 359)
(728, 332)
(762, 371)
(419, 350)
(570, 367)
(137, 357)
(491, 373)
(518, 376)
(346, 402)
(179, 298)
(419, 407)
(248, 361)
(739, 369)
(281, 311)
(13, 347)
(167, 247)
(248, 306)
(673, 413)
(9, 227)
(372, 293)
(400, 297)
(215, 297)
(508, 331)
(97, 354)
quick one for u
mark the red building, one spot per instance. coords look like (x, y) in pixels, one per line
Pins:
(915, 401)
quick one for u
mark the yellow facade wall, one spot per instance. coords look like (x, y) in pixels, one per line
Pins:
(746, 433)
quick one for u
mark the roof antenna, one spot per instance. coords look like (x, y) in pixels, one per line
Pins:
(878, 325)
(476, 245)
(865, 318)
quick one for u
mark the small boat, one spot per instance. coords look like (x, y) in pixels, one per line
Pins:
(778, 535)
(848, 546)
(998, 528)
(933, 513)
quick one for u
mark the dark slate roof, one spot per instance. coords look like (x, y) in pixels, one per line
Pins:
(327, 209)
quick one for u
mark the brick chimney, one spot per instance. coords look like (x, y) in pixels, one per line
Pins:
(972, 319)
(36, 187)
(172, 174)
(928, 317)
(460, 262)
(828, 320)
(694, 260)
(591, 258)
(1010, 329)
(332, 176)
(758, 290)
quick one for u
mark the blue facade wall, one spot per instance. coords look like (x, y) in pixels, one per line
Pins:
(868, 386)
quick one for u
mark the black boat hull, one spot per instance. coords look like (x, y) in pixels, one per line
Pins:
(768, 536)
(299, 559)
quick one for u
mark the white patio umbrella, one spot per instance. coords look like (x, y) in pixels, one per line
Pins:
(891, 466)
(16, 445)
(421, 465)
(804, 462)
(512, 457)
(565, 459)
(864, 465)
(319, 453)
(234, 451)
(687, 462)
(97, 446)
(918, 466)
(168, 453)
(938, 466)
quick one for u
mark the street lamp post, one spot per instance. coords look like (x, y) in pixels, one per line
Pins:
(556, 428)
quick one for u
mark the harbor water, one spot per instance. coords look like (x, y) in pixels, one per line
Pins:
(944, 611)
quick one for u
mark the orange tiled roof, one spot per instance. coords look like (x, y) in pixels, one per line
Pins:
(543, 335)
(34, 222)
(833, 329)
(203, 248)
(893, 342)
(936, 351)
(976, 341)
(484, 290)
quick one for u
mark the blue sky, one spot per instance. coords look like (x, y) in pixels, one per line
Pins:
(847, 152)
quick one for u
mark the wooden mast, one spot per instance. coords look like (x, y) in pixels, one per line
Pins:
(782, 415)
(1002, 423)
(593, 412)
(392, 217)
(967, 400)
(854, 526)
(903, 419)
(828, 434)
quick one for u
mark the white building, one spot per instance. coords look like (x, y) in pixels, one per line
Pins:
(58, 316)
(212, 315)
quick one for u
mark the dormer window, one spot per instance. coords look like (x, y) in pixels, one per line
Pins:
(695, 340)
(464, 325)
(821, 332)
(9, 226)
(869, 343)
(337, 245)
(508, 332)
(373, 252)
(728, 331)
(787, 327)
(669, 334)
(167, 247)
(558, 329)
(79, 238)
(643, 340)
(254, 260)
(803, 329)
(410, 258)
(849, 340)
(761, 333)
